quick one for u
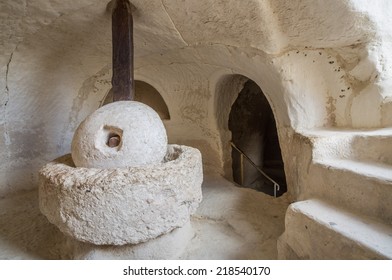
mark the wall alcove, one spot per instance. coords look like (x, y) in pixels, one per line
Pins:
(147, 94)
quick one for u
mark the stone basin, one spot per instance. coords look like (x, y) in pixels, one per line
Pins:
(120, 206)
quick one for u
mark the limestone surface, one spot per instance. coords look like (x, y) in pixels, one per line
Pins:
(319, 63)
(120, 134)
(323, 66)
(123, 205)
(230, 223)
(164, 247)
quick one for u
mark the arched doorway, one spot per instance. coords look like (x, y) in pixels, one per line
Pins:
(147, 94)
(255, 140)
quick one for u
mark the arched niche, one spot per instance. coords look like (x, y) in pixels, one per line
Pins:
(147, 94)
(245, 118)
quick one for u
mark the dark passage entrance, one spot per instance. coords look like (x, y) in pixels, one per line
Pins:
(254, 132)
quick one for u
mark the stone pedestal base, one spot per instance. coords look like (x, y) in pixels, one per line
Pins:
(167, 246)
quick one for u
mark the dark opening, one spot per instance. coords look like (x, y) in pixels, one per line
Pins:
(113, 140)
(254, 132)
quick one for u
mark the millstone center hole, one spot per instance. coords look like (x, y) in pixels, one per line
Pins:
(113, 140)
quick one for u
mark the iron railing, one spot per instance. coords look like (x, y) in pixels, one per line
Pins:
(242, 155)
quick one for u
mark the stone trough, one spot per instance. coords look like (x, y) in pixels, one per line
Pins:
(122, 205)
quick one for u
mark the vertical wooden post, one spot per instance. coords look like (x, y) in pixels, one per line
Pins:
(242, 169)
(122, 40)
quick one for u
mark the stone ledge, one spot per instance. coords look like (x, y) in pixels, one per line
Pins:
(316, 229)
(124, 205)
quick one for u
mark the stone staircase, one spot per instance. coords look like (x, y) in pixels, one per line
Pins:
(345, 210)
(316, 229)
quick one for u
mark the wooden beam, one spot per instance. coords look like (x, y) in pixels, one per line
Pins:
(122, 40)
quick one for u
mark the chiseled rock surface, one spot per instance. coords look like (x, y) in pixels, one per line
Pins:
(319, 63)
(122, 205)
(165, 247)
(230, 223)
(140, 132)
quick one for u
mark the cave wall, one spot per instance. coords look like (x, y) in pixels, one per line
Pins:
(319, 64)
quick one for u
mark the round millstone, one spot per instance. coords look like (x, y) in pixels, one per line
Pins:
(120, 134)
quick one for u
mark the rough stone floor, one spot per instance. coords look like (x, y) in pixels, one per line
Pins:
(231, 223)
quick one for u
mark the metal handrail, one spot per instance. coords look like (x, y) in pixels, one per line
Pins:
(276, 185)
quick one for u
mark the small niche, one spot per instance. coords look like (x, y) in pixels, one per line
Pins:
(147, 94)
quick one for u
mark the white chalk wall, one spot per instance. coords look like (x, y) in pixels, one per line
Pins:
(320, 64)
